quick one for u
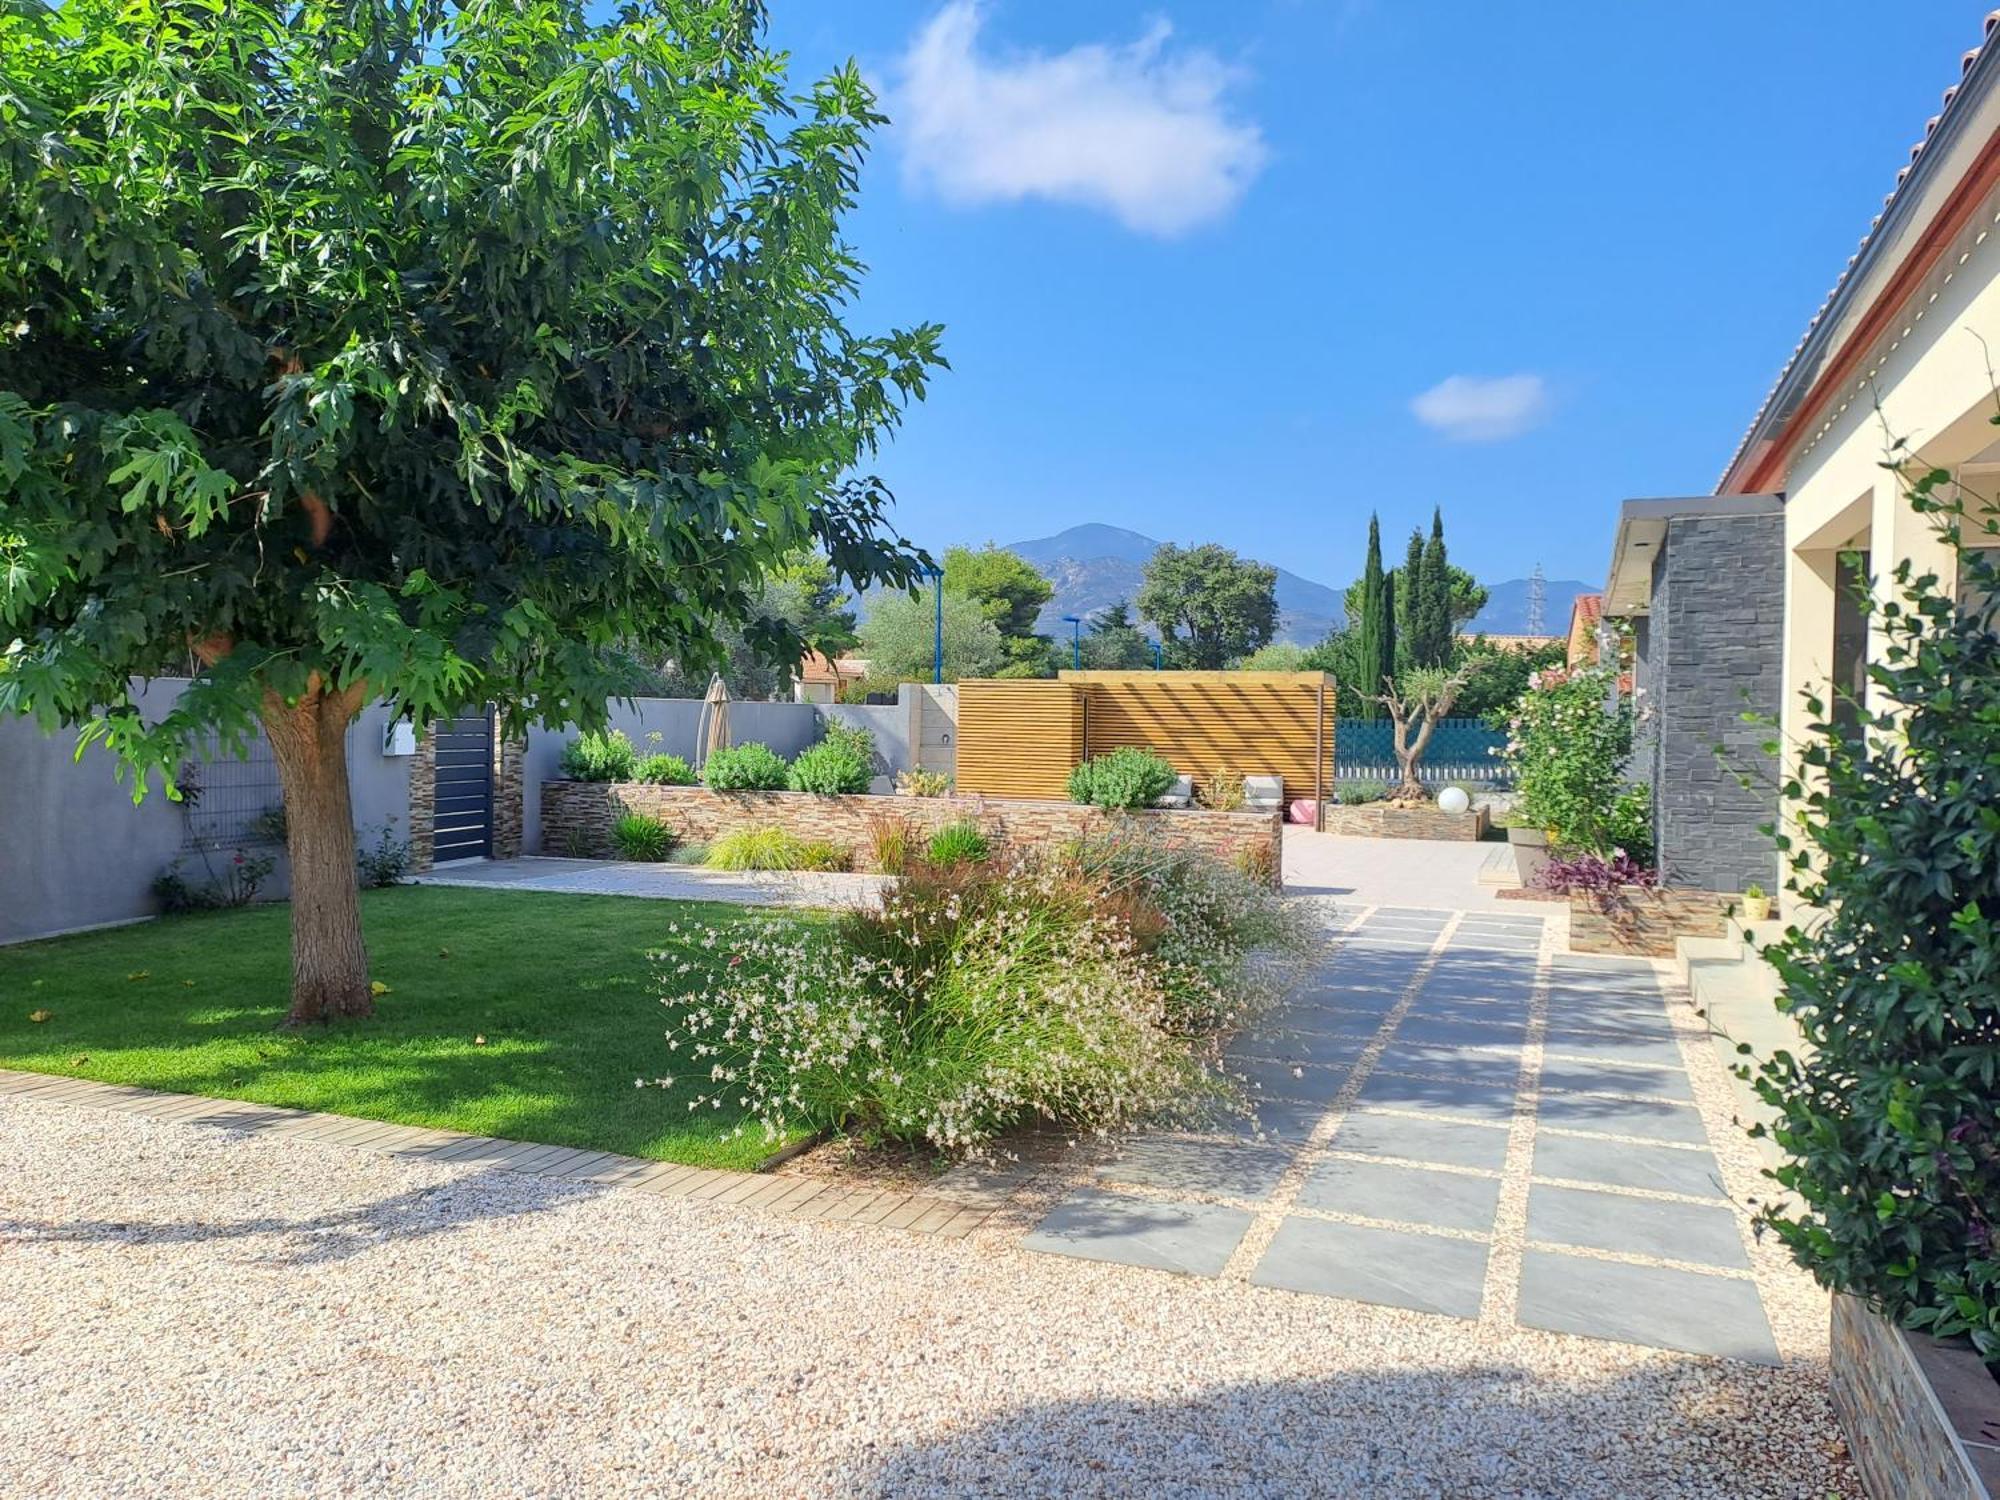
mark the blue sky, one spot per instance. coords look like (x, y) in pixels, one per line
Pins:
(1243, 271)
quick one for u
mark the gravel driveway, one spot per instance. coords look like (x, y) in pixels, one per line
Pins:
(185, 1310)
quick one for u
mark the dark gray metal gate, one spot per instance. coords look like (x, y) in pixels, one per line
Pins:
(462, 825)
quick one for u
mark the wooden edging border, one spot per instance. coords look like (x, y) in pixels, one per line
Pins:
(822, 1199)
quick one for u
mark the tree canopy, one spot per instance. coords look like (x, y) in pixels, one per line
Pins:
(1010, 591)
(419, 352)
(1209, 605)
(899, 638)
(1113, 643)
(801, 596)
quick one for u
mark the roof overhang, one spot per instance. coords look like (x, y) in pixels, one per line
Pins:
(1642, 535)
(1953, 170)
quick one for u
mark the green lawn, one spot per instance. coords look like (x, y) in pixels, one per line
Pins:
(558, 987)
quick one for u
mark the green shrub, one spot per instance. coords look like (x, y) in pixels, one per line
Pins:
(972, 1003)
(663, 770)
(824, 855)
(385, 861)
(1125, 778)
(1224, 790)
(917, 782)
(958, 844)
(1567, 746)
(745, 768)
(641, 836)
(1360, 794)
(597, 756)
(769, 848)
(830, 768)
(889, 842)
(1890, 1116)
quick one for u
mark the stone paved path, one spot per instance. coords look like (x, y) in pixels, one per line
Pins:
(1457, 1120)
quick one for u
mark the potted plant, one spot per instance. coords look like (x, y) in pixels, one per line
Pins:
(1756, 904)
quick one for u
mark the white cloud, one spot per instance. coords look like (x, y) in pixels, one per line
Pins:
(1483, 409)
(1135, 130)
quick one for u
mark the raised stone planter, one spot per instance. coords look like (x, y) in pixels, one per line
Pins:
(1386, 820)
(1643, 924)
(577, 817)
(1922, 1417)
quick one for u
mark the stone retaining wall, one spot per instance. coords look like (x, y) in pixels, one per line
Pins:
(577, 817)
(1922, 1418)
(1386, 820)
(1645, 923)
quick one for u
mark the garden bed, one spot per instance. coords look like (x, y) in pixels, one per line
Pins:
(578, 816)
(1637, 922)
(1388, 820)
(1922, 1417)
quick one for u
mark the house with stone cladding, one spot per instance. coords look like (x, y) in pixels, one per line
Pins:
(1746, 599)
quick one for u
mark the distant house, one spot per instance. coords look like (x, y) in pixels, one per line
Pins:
(1586, 613)
(820, 679)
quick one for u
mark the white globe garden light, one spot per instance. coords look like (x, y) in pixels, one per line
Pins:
(1453, 800)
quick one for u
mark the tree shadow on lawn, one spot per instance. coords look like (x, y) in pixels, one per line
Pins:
(1678, 1425)
(442, 1208)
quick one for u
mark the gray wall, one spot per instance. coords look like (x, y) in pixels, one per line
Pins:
(1712, 651)
(76, 852)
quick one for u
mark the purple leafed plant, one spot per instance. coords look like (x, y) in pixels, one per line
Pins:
(1596, 875)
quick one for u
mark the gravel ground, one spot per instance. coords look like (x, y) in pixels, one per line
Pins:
(184, 1311)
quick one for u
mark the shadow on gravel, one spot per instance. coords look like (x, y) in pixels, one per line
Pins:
(1682, 1427)
(420, 1213)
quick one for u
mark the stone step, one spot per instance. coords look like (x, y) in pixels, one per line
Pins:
(1735, 992)
(1498, 868)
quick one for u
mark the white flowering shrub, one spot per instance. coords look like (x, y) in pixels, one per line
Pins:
(978, 999)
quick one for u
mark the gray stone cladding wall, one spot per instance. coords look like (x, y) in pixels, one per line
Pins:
(1713, 652)
(1922, 1418)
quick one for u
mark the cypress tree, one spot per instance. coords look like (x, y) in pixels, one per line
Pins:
(1431, 611)
(1374, 652)
(1409, 605)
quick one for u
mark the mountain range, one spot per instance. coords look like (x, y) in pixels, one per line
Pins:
(1094, 565)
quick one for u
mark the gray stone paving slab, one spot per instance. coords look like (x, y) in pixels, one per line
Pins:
(1662, 1052)
(1224, 1169)
(1698, 1233)
(1448, 1008)
(1412, 1195)
(1451, 1062)
(1333, 1013)
(1194, 1238)
(1660, 1083)
(1449, 1031)
(1393, 1267)
(1463, 1098)
(1298, 1046)
(1649, 1122)
(1290, 1080)
(1651, 1305)
(1567, 1018)
(1662, 1169)
(1448, 1142)
(1489, 942)
(1285, 1120)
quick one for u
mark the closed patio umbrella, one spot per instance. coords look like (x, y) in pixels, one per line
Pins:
(714, 734)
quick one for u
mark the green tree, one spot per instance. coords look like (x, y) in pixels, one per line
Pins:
(899, 639)
(1371, 649)
(1406, 600)
(1431, 611)
(1497, 676)
(1010, 592)
(802, 600)
(371, 350)
(1209, 605)
(1278, 656)
(1113, 643)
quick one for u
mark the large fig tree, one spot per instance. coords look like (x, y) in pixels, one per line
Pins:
(428, 352)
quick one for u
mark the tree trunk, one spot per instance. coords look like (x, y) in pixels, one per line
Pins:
(329, 960)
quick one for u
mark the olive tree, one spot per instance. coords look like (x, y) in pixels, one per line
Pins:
(435, 353)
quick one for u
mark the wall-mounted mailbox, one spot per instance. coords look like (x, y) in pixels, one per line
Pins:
(399, 737)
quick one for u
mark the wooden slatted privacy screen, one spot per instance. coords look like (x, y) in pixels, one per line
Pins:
(1019, 738)
(1249, 723)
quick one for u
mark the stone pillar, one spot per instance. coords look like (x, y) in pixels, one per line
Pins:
(423, 802)
(509, 792)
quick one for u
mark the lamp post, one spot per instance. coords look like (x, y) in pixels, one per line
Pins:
(937, 639)
(1075, 623)
(1156, 656)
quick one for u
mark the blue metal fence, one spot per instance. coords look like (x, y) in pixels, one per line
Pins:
(1460, 750)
